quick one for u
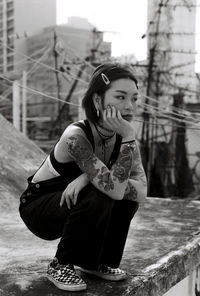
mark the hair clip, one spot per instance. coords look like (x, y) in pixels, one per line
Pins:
(105, 79)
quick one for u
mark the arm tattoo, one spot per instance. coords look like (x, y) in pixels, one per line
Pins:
(137, 169)
(78, 151)
(105, 179)
(82, 153)
(131, 192)
(122, 167)
(137, 179)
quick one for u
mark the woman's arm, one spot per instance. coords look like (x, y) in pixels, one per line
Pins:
(112, 182)
(70, 194)
(136, 189)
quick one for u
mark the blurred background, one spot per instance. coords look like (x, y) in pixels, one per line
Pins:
(49, 48)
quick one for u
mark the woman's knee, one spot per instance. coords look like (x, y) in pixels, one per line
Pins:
(126, 208)
(96, 200)
(44, 217)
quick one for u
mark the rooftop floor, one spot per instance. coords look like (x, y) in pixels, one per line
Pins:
(162, 248)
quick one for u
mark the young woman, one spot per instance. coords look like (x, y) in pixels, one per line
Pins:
(88, 189)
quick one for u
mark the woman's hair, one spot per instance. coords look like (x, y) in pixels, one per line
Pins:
(100, 82)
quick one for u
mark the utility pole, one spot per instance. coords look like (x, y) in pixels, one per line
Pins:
(182, 173)
(63, 113)
(95, 44)
(148, 133)
(161, 73)
(24, 103)
(16, 105)
(5, 37)
(58, 121)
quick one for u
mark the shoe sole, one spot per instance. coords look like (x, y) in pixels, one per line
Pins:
(108, 277)
(66, 287)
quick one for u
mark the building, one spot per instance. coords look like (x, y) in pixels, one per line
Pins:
(72, 50)
(171, 46)
(33, 44)
(168, 128)
(19, 19)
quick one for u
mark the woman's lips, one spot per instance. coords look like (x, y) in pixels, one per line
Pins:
(127, 117)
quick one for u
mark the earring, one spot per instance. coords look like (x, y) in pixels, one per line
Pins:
(98, 113)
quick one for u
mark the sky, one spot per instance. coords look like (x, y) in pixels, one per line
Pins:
(124, 24)
(123, 21)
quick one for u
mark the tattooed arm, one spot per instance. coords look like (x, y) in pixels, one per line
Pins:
(136, 189)
(112, 182)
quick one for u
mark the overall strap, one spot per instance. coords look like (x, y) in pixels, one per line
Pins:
(116, 150)
(87, 130)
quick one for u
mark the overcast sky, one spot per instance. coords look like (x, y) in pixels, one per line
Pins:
(125, 24)
(125, 20)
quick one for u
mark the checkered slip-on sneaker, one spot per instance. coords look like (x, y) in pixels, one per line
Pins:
(64, 277)
(107, 273)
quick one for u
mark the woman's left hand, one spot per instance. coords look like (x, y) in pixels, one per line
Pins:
(113, 119)
(70, 194)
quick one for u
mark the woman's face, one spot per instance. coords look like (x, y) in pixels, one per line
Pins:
(123, 95)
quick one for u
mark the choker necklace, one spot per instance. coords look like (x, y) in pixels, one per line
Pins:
(103, 136)
(102, 143)
(105, 129)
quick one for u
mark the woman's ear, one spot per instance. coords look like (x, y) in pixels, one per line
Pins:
(97, 101)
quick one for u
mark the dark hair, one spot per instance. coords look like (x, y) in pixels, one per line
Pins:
(100, 82)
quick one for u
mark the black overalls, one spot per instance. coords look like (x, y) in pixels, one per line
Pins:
(93, 231)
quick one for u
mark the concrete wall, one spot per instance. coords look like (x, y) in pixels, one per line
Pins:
(186, 287)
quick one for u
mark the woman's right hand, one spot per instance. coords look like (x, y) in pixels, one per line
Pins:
(70, 194)
(113, 120)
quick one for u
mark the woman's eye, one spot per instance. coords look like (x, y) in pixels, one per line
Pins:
(134, 99)
(120, 97)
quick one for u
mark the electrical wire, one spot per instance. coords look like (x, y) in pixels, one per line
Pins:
(165, 125)
(52, 97)
(77, 105)
(77, 56)
(170, 117)
(35, 66)
(161, 109)
(38, 62)
(69, 75)
(81, 59)
(38, 92)
(22, 61)
(33, 60)
(165, 114)
(182, 88)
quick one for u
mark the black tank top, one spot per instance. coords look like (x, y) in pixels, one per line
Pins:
(71, 167)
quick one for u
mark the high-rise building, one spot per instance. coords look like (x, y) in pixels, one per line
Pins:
(6, 35)
(19, 19)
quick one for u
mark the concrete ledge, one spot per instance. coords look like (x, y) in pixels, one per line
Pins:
(163, 247)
